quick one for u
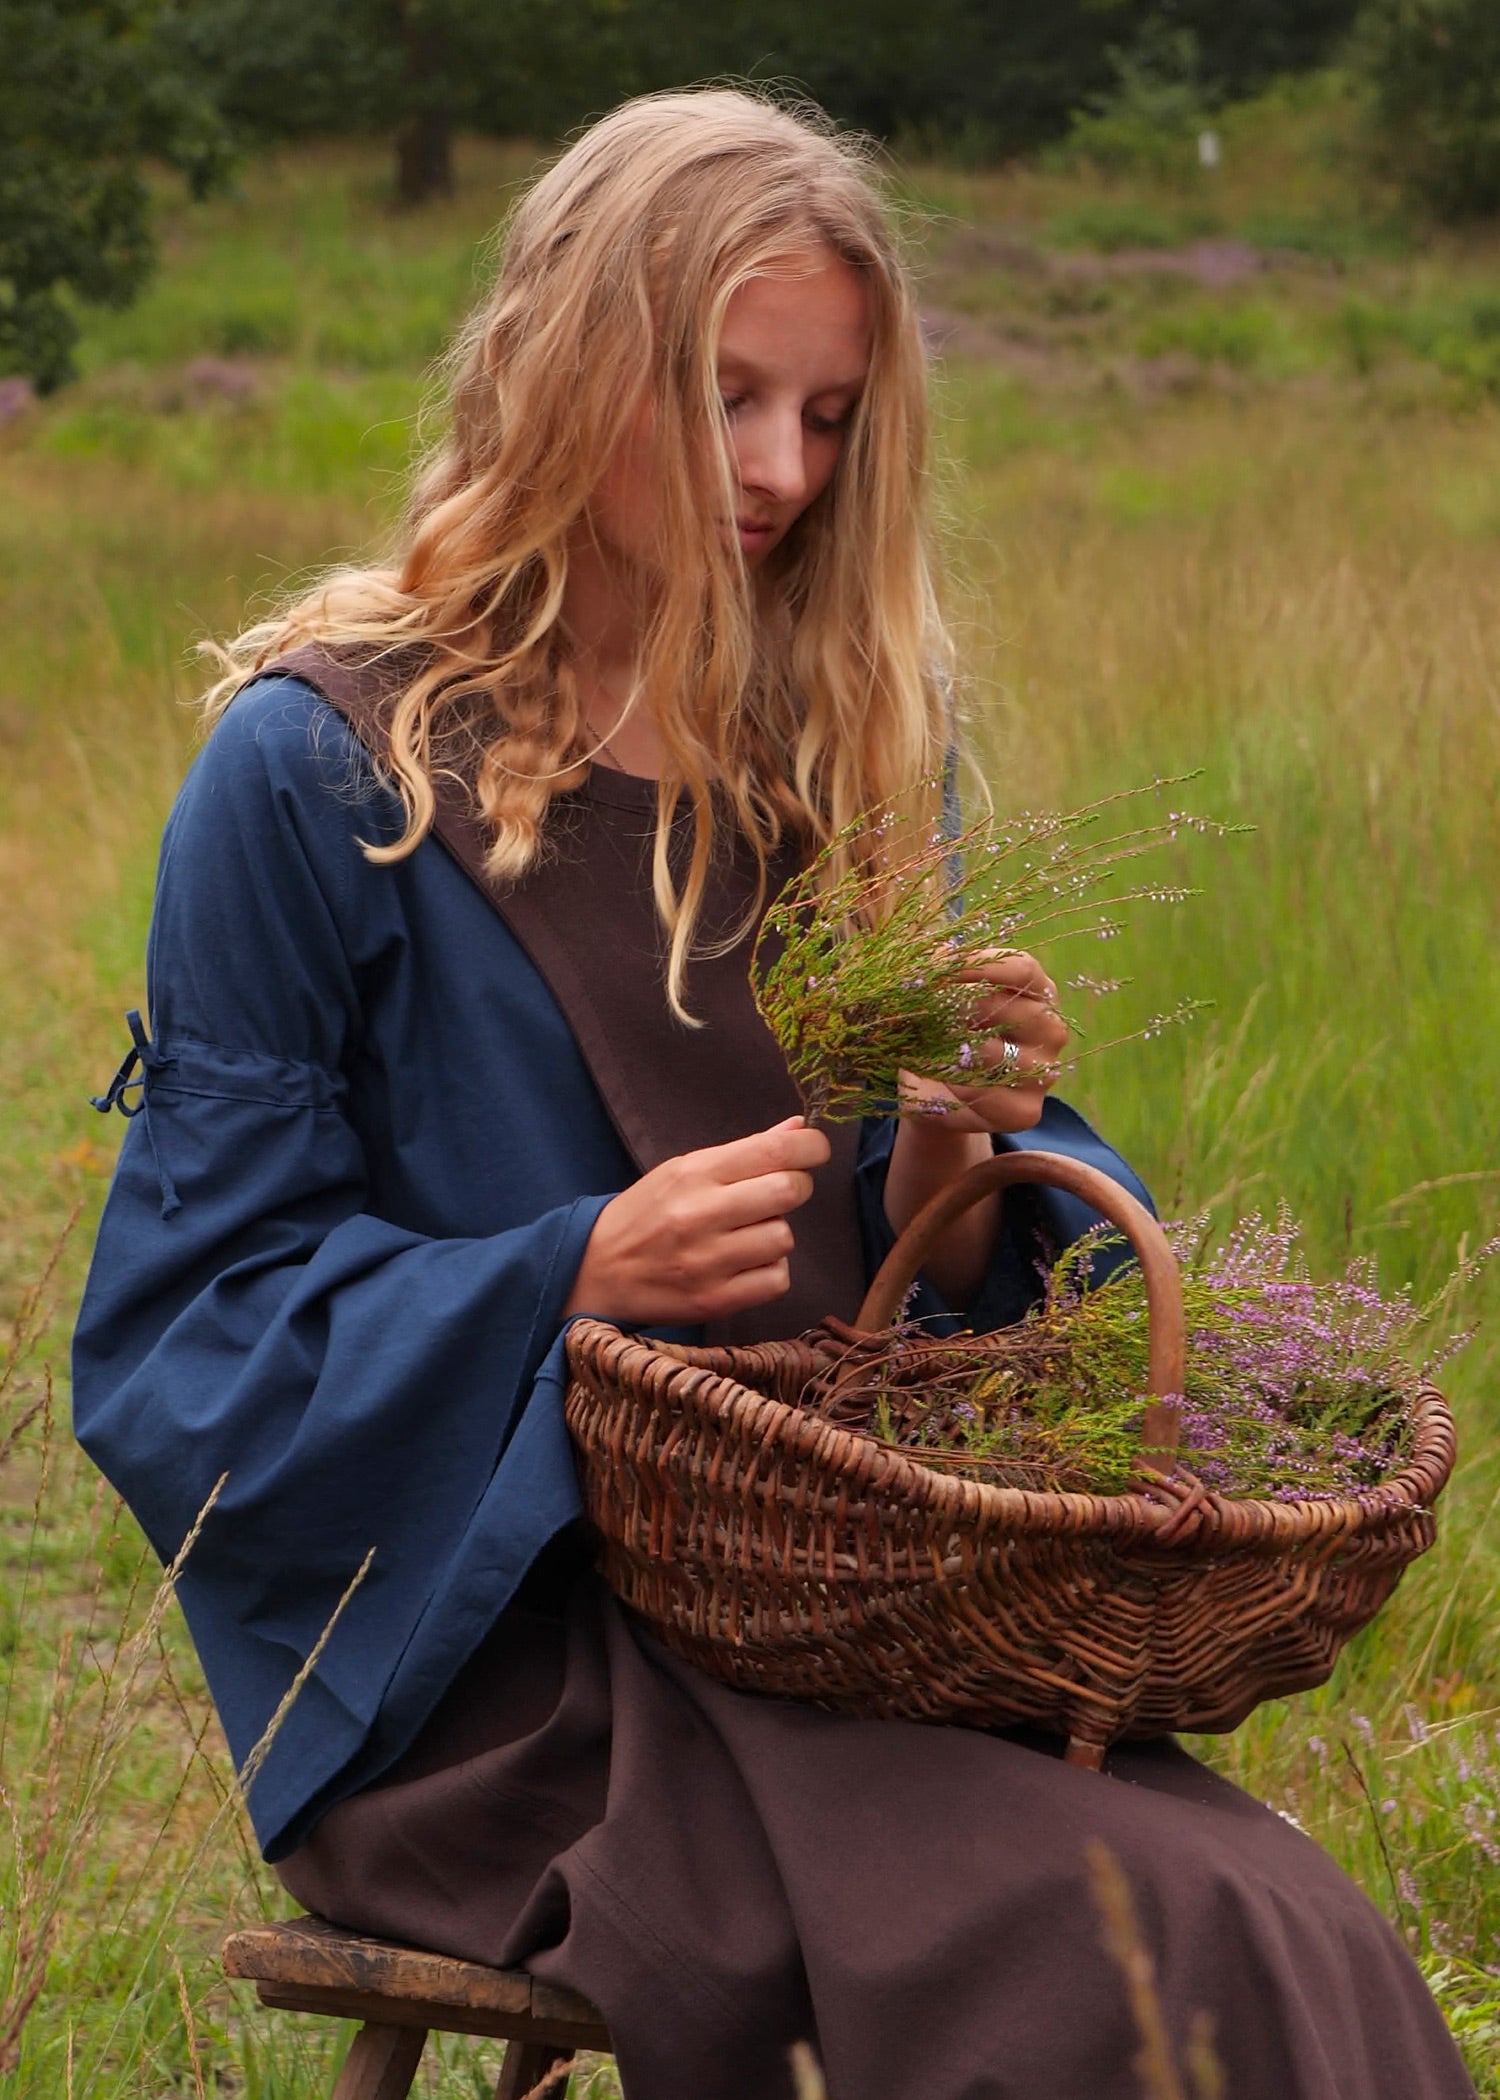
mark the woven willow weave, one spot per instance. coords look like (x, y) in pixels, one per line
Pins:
(788, 1556)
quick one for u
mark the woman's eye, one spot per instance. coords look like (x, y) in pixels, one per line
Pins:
(823, 426)
(730, 402)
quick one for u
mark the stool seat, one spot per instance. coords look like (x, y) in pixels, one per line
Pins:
(401, 1993)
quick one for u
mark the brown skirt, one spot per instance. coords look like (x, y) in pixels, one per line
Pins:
(722, 1874)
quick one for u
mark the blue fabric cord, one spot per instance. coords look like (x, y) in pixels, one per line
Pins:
(142, 1052)
(139, 1053)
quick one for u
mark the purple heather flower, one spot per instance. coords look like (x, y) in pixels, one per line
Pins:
(1475, 1821)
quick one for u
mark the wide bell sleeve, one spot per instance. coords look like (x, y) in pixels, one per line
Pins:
(1036, 1223)
(362, 1387)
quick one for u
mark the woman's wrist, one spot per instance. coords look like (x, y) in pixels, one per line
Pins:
(925, 1158)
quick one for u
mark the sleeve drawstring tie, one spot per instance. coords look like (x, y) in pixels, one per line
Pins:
(143, 1053)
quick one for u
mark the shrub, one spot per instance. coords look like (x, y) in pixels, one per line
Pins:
(85, 99)
(1459, 336)
(1340, 241)
(1253, 337)
(1148, 121)
(1433, 69)
(252, 325)
(1109, 224)
(1367, 329)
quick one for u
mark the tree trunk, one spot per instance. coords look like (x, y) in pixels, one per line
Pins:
(424, 156)
(424, 136)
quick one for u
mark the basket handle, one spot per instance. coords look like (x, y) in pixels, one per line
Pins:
(1167, 1355)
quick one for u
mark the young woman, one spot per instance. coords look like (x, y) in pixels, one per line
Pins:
(451, 1037)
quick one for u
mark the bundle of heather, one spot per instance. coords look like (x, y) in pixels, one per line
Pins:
(1294, 1389)
(864, 965)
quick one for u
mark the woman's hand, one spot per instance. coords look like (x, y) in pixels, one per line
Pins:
(933, 1149)
(702, 1235)
(1027, 1034)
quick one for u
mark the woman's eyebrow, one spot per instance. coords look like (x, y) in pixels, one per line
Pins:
(747, 368)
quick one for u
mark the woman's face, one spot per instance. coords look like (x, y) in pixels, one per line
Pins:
(793, 357)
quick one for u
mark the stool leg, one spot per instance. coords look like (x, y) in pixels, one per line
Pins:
(526, 2065)
(381, 2064)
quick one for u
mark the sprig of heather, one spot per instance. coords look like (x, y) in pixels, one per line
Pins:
(862, 965)
(1294, 1389)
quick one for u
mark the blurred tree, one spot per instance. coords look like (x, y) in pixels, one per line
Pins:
(1149, 119)
(414, 69)
(993, 77)
(1242, 47)
(85, 97)
(991, 80)
(1434, 70)
(989, 77)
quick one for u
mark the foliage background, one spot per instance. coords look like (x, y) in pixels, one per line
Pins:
(85, 97)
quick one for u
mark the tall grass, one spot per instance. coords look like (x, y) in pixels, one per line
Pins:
(1287, 599)
(1292, 586)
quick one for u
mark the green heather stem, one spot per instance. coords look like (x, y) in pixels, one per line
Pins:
(864, 964)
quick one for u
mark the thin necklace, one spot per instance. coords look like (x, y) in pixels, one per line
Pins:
(604, 744)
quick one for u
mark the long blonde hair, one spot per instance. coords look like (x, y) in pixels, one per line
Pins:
(787, 703)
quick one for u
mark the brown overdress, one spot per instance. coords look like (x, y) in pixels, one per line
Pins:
(723, 1874)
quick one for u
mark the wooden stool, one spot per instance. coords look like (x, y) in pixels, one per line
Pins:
(401, 1994)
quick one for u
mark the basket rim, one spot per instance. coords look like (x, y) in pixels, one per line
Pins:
(1156, 1517)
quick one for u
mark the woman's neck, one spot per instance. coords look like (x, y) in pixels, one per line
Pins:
(602, 614)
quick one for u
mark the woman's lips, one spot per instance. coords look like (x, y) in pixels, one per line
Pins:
(754, 534)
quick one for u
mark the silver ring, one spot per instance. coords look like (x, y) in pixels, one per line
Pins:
(1010, 1054)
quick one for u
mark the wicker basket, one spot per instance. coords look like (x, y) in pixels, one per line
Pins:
(792, 1557)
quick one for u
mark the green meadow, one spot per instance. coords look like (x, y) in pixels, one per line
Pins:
(1218, 473)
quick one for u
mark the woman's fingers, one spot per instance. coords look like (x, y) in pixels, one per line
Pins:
(1029, 1060)
(747, 1288)
(1024, 1032)
(726, 1187)
(704, 1234)
(1010, 968)
(722, 1251)
(792, 1146)
(749, 1202)
(1023, 1037)
(1033, 1050)
(767, 1175)
(1027, 1012)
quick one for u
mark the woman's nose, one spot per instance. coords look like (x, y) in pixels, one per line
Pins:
(771, 455)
